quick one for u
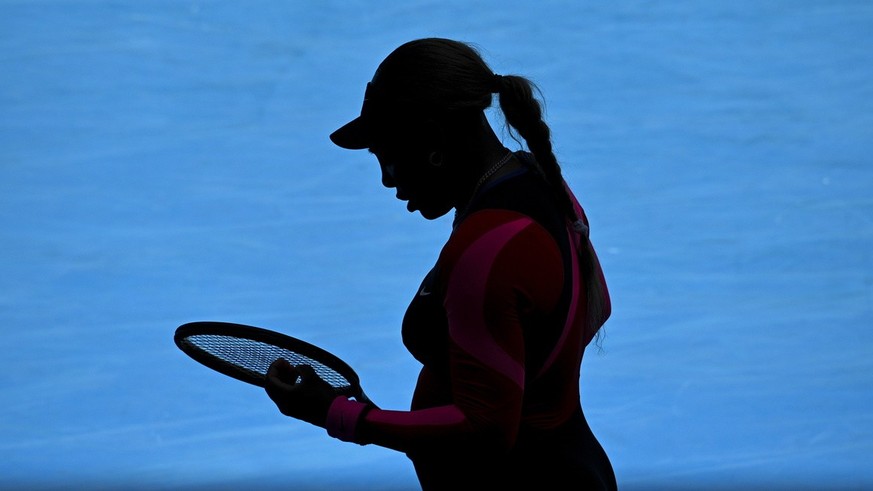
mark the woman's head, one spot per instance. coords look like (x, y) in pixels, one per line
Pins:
(423, 118)
(425, 105)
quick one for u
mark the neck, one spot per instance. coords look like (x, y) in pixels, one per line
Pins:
(479, 152)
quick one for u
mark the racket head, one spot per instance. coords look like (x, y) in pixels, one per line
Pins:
(246, 352)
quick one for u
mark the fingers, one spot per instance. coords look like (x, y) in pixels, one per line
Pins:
(307, 373)
(280, 383)
(280, 368)
(283, 370)
(283, 374)
(298, 391)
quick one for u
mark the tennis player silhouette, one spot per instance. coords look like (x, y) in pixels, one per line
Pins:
(501, 322)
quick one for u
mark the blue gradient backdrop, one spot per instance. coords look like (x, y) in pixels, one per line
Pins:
(168, 161)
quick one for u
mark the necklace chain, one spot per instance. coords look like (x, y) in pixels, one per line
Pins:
(488, 173)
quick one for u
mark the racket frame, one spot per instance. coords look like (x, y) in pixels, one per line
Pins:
(266, 336)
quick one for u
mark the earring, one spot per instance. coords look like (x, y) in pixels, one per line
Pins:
(435, 159)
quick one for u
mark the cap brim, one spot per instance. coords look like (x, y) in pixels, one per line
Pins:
(354, 135)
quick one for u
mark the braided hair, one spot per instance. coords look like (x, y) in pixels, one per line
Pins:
(523, 112)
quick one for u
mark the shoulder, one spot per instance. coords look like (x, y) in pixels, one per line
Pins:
(503, 253)
(489, 231)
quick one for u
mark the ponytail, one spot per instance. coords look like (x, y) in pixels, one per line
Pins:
(523, 113)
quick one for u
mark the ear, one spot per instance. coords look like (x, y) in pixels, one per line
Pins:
(434, 141)
(435, 158)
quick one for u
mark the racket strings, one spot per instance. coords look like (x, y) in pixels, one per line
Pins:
(255, 357)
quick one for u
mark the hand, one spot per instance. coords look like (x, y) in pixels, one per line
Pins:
(299, 392)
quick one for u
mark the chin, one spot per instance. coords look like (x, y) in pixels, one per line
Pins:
(433, 213)
(429, 209)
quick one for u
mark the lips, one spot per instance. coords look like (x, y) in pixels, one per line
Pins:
(403, 197)
(409, 205)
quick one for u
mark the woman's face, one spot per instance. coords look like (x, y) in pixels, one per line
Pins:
(406, 167)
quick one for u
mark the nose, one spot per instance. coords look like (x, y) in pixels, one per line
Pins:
(388, 176)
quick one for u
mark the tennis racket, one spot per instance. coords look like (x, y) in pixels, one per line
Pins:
(245, 353)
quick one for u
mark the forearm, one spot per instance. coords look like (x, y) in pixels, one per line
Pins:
(403, 431)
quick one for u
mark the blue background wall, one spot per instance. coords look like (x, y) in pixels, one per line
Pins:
(166, 161)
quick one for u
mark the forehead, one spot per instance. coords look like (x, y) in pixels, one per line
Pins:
(397, 129)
